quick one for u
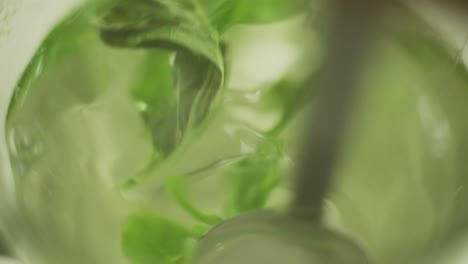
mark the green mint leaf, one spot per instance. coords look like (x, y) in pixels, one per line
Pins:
(176, 186)
(197, 72)
(292, 96)
(154, 92)
(176, 25)
(252, 179)
(149, 238)
(225, 13)
(196, 82)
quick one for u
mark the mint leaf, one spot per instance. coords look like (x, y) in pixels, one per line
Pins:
(252, 179)
(149, 238)
(196, 84)
(292, 96)
(176, 186)
(154, 91)
(175, 25)
(179, 26)
(225, 13)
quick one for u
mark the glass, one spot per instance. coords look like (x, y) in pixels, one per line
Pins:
(82, 168)
(23, 24)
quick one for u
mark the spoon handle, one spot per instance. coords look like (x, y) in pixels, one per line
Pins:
(349, 37)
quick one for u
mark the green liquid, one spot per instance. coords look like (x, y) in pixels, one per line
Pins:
(85, 160)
